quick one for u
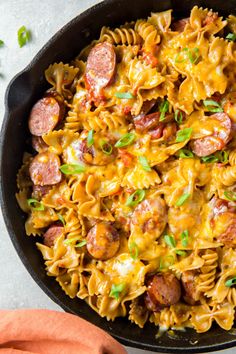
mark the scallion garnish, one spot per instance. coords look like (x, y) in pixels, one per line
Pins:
(191, 53)
(23, 36)
(209, 159)
(62, 220)
(178, 116)
(213, 106)
(106, 147)
(164, 107)
(68, 241)
(125, 140)
(90, 139)
(219, 156)
(231, 37)
(35, 204)
(182, 199)
(180, 253)
(184, 238)
(230, 282)
(135, 198)
(72, 169)
(81, 244)
(185, 154)
(230, 196)
(124, 95)
(116, 290)
(133, 250)
(183, 135)
(144, 163)
(170, 241)
(1, 43)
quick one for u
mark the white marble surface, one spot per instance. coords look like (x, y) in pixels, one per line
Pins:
(43, 18)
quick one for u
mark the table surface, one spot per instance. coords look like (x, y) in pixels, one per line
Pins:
(44, 18)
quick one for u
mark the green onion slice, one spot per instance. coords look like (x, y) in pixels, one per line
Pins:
(81, 244)
(185, 154)
(133, 250)
(180, 253)
(223, 156)
(209, 159)
(212, 106)
(193, 55)
(144, 163)
(230, 196)
(135, 198)
(60, 217)
(68, 241)
(106, 147)
(164, 107)
(125, 140)
(1, 43)
(23, 36)
(124, 95)
(72, 169)
(90, 139)
(184, 238)
(170, 241)
(182, 199)
(35, 204)
(183, 134)
(178, 116)
(230, 282)
(166, 262)
(231, 37)
(116, 290)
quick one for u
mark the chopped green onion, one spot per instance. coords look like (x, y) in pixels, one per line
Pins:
(135, 198)
(209, 159)
(90, 139)
(185, 154)
(70, 240)
(164, 107)
(182, 199)
(170, 241)
(23, 36)
(125, 140)
(193, 55)
(230, 196)
(223, 156)
(180, 253)
(183, 134)
(72, 169)
(184, 238)
(144, 163)
(60, 217)
(231, 37)
(81, 244)
(1, 43)
(133, 250)
(178, 116)
(166, 262)
(124, 95)
(106, 147)
(35, 204)
(116, 290)
(212, 106)
(230, 282)
(178, 60)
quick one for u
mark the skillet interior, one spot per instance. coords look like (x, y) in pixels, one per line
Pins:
(22, 92)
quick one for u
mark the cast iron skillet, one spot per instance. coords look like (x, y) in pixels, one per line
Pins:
(22, 92)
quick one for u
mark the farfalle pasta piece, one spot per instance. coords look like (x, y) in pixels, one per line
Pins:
(191, 262)
(22, 197)
(175, 316)
(69, 282)
(30, 229)
(138, 178)
(60, 76)
(221, 292)
(59, 197)
(58, 140)
(206, 20)
(161, 20)
(138, 313)
(73, 225)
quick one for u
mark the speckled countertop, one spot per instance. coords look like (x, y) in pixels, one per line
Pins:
(44, 18)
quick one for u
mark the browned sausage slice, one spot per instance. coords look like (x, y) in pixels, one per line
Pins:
(40, 191)
(100, 66)
(45, 115)
(44, 169)
(210, 144)
(228, 238)
(190, 291)
(103, 241)
(179, 25)
(52, 234)
(162, 290)
(38, 144)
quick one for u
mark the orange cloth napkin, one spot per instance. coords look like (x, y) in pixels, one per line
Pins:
(52, 332)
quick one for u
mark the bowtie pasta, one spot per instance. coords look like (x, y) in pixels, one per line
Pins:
(130, 180)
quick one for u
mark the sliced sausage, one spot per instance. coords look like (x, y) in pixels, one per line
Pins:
(179, 25)
(45, 115)
(103, 241)
(210, 144)
(38, 144)
(147, 106)
(150, 216)
(162, 290)
(190, 290)
(144, 123)
(52, 234)
(44, 169)
(40, 191)
(228, 238)
(100, 67)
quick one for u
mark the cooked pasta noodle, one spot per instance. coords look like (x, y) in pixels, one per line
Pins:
(130, 186)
